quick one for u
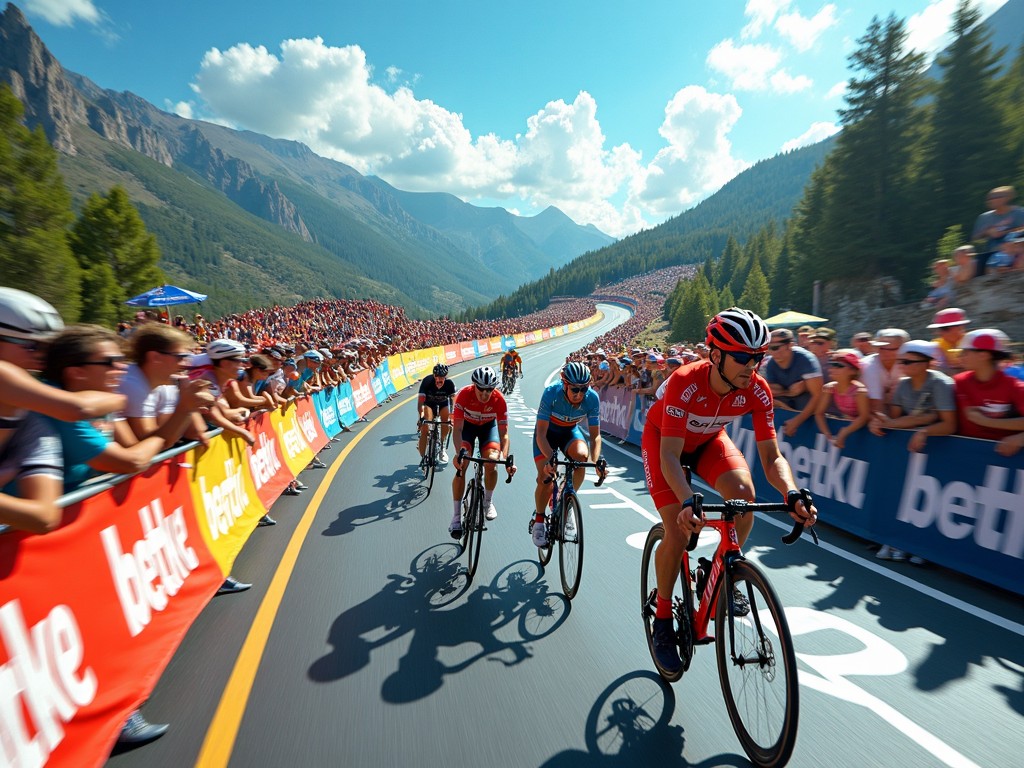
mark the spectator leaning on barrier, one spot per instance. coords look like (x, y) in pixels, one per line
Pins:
(862, 343)
(879, 371)
(794, 376)
(951, 326)
(923, 399)
(990, 403)
(821, 344)
(845, 396)
(803, 335)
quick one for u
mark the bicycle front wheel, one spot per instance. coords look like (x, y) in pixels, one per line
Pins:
(475, 527)
(431, 457)
(570, 547)
(757, 668)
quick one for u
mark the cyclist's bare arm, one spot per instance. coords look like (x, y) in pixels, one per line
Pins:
(672, 470)
(780, 475)
(22, 390)
(595, 442)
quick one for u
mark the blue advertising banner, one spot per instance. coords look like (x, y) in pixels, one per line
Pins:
(958, 504)
(346, 404)
(325, 403)
(385, 377)
(636, 424)
(378, 386)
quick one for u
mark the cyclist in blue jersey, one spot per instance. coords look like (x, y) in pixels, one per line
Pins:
(563, 407)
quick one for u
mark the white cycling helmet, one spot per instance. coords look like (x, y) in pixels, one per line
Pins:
(24, 315)
(220, 349)
(485, 377)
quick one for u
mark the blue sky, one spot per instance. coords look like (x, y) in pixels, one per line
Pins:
(621, 114)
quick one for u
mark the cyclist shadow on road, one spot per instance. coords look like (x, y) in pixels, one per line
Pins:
(401, 438)
(630, 724)
(494, 623)
(405, 497)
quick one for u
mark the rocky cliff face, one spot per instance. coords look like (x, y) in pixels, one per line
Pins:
(59, 100)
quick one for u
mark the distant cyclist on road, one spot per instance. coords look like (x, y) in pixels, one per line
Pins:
(687, 427)
(480, 414)
(511, 362)
(435, 398)
(563, 407)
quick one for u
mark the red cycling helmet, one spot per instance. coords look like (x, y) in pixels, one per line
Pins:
(738, 330)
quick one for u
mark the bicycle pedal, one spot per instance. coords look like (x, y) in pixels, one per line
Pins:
(706, 640)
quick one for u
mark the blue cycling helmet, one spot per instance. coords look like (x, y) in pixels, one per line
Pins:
(576, 374)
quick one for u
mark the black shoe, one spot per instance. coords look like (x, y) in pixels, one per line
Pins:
(266, 520)
(231, 584)
(455, 529)
(666, 651)
(740, 604)
(138, 730)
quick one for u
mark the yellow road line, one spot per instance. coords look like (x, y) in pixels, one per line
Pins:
(223, 730)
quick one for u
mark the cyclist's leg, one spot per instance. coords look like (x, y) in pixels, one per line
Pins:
(425, 430)
(725, 469)
(459, 478)
(670, 552)
(490, 448)
(578, 449)
(446, 429)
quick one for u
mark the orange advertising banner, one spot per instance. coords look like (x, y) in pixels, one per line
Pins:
(78, 654)
(362, 392)
(312, 430)
(270, 474)
(452, 354)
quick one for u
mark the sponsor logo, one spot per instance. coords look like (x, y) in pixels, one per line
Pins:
(328, 415)
(739, 401)
(708, 424)
(344, 404)
(688, 393)
(762, 394)
(362, 394)
(263, 462)
(701, 399)
(42, 682)
(154, 567)
(615, 412)
(675, 412)
(308, 426)
(990, 513)
(293, 442)
(226, 501)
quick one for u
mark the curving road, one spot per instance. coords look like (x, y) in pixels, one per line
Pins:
(361, 644)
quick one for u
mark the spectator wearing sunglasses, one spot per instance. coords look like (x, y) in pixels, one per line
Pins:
(795, 378)
(151, 383)
(844, 396)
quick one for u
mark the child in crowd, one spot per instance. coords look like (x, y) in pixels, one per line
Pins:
(844, 395)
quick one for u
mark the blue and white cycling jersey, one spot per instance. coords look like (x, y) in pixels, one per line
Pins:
(557, 411)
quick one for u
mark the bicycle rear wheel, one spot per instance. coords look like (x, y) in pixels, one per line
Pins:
(544, 553)
(570, 546)
(649, 603)
(758, 673)
(474, 525)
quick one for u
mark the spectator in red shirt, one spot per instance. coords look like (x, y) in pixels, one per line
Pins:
(990, 402)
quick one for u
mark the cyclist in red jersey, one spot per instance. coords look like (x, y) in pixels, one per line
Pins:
(687, 427)
(480, 415)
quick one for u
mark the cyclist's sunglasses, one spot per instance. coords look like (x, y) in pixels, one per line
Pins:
(483, 389)
(744, 358)
(577, 390)
(29, 345)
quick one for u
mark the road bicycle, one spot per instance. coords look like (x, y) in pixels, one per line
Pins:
(756, 662)
(473, 520)
(508, 381)
(564, 521)
(432, 455)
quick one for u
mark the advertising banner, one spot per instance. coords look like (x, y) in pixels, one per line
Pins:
(468, 350)
(224, 497)
(312, 431)
(616, 411)
(452, 354)
(377, 383)
(345, 403)
(396, 369)
(270, 475)
(294, 449)
(325, 401)
(78, 660)
(362, 393)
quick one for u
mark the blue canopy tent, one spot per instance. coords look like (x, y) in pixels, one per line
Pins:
(165, 296)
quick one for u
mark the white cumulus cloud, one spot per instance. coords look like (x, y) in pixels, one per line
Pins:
(754, 67)
(762, 13)
(802, 32)
(812, 135)
(928, 31)
(63, 13)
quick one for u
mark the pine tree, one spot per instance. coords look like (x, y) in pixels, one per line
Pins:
(725, 298)
(35, 210)
(116, 253)
(756, 295)
(694, 312)
(952, 239)
(731, 255)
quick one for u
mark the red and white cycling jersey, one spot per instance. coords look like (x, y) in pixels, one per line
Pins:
(468, 407)
(693, 411)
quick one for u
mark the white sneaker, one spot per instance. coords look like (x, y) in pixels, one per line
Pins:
(491, 512)
(540, 534)
(444, 456)
(917, 560)
(455, 529)
(891, 553)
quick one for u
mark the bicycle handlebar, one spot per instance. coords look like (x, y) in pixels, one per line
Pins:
(600, 465)
(435, 420)
(508, 461)
(733, 507)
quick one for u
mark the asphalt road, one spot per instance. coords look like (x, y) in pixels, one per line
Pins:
(379, 654)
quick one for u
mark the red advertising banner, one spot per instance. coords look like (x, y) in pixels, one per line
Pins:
(362, 393)
(468, 351)
(270, 474)
(78, 654)
(452, 354)
(311, 427)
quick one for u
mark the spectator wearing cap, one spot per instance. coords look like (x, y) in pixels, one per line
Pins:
(995, 224)
(923, 399)
(964, 265)
(990, 403)
(862, 343)
(602, 374)
(672, 364)
(794, 376)
(845, 395)
(702, 350)
(230, 361)
(951, 326)
(650, 377)
(879, 371)
(803, 335)
(821, 344)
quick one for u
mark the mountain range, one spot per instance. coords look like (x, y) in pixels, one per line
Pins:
(252, 220)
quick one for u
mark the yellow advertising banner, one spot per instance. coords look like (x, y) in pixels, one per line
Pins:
(294, 448)
(396, 369)
(227, 506)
